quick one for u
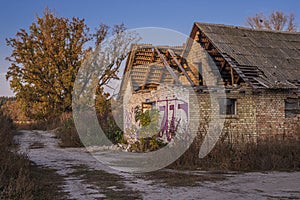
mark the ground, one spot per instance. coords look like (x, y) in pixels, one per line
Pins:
(86, 178)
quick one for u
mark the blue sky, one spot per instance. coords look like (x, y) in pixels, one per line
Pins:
(172, 14)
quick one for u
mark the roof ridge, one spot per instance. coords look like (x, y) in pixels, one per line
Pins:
(245, 28)
(157, 46)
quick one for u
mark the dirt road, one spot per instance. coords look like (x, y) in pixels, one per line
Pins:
(87, 178)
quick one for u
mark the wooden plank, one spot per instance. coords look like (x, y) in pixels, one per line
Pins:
(172, 73)
(146, 77)
(180, 67)
(237, 70)
(232, 76)
(237, 79)
(223, 63)
(260, 82)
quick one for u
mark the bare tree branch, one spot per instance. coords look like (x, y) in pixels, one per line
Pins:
(275, 21)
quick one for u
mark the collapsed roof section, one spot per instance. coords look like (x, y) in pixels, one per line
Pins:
(148, 66)
(228, 55)
(264, 59)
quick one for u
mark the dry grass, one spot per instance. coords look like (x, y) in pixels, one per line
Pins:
(49, 124)
(269, 153)
(15, 180)
(67, 132)
(15, 177)
(64, 129)
(20, 179)
(48, 184)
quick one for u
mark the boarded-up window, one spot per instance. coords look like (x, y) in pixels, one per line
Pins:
(227, 106)
(292, 107)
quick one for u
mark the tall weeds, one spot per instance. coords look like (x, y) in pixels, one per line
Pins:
(15, 181)
(66, 131)
(268, 153)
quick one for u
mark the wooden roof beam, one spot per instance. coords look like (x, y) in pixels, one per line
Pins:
(172, 73)
(180, 67)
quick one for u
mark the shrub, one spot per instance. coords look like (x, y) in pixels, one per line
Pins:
(67, 132)
(148, 121)
(147, 144)
(106, 118)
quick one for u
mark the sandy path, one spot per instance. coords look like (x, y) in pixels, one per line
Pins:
(42, 148)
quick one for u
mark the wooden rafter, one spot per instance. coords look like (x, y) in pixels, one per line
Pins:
(160, 76)
(180, 66)
(220, 60)
(146, 77)
(172, 73)
(232, 76)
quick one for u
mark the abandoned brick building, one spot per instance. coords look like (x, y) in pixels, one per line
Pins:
(249, 78)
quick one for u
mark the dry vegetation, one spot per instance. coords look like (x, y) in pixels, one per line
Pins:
(67, 133)
(277, 20)
(269, 153)
(14, 168)
(63, 125)
(19, 178)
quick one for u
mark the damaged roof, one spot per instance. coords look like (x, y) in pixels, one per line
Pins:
(274, 54)
(156, 73)
(144, 66)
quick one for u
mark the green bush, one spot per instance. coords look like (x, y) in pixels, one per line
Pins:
(148, 121)
(111, 129)
(147, 144)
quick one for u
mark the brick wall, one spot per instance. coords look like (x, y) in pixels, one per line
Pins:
(174, 95)
(257, 113)
(260, 115)
(242, 125)
(270, 114)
